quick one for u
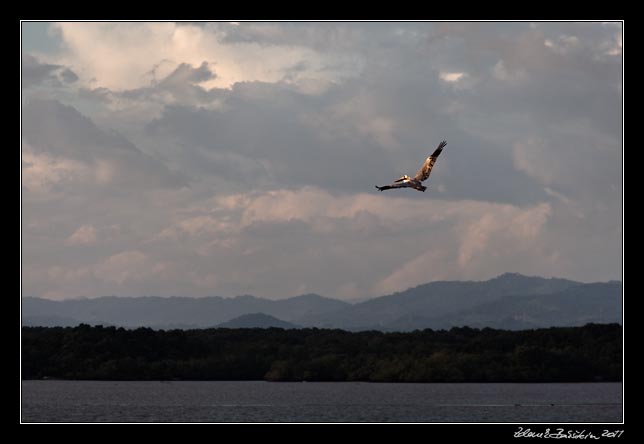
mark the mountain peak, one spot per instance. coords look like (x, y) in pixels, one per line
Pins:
(245, 297)
(511, 275)
(308, 297)
(256, 320)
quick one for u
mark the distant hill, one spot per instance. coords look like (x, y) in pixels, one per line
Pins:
(434, 300)
(256, 320)
(574, 306)
(174, 312)
(509, 301)
(49, 321)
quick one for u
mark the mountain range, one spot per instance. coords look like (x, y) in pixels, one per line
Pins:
(509, 301)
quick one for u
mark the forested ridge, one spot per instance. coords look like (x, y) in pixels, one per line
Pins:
(589, 353)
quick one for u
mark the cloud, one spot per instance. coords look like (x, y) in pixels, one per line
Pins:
(451, 76)
(119, 56)
(42, 173)
(126, 265)
(530, 158)
(85, 235)
(346, 145)
(444, 239)
(520, 227)
(34, 73)
(481, 234)
(180, 86)
(563, 44)
(216, 158)
(61, 140)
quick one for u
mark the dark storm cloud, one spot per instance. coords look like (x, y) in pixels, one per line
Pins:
(181, 86)
(59, 130)
(68, 76)
(290, 132)
(101, 95)
(270, 129)
(550, 72)
(36, 73)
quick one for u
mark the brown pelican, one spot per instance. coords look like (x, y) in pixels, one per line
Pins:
(422, 174)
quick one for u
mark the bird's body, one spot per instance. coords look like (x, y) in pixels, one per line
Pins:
(422, 174)
(404, 182)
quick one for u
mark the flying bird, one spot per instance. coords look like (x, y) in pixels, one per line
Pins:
(422, 174)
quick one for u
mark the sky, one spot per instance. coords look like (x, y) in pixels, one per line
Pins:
(228, 158)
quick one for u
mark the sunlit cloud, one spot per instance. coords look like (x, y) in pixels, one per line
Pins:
(451, 76)
(85, 235)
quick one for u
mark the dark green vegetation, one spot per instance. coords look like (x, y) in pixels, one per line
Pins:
(589, 353)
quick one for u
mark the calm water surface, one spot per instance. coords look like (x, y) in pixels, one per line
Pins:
(217, 401)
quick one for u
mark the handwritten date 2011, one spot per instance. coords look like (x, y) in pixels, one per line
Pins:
(563, 434)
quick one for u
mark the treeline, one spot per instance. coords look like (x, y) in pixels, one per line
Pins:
(589, 353)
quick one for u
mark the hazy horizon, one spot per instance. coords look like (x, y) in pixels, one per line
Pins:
(354, 300)
(240, 158)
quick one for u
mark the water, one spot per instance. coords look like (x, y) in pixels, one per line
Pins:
(259, 401)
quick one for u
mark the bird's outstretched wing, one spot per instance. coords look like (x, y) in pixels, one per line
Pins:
(423, 172)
